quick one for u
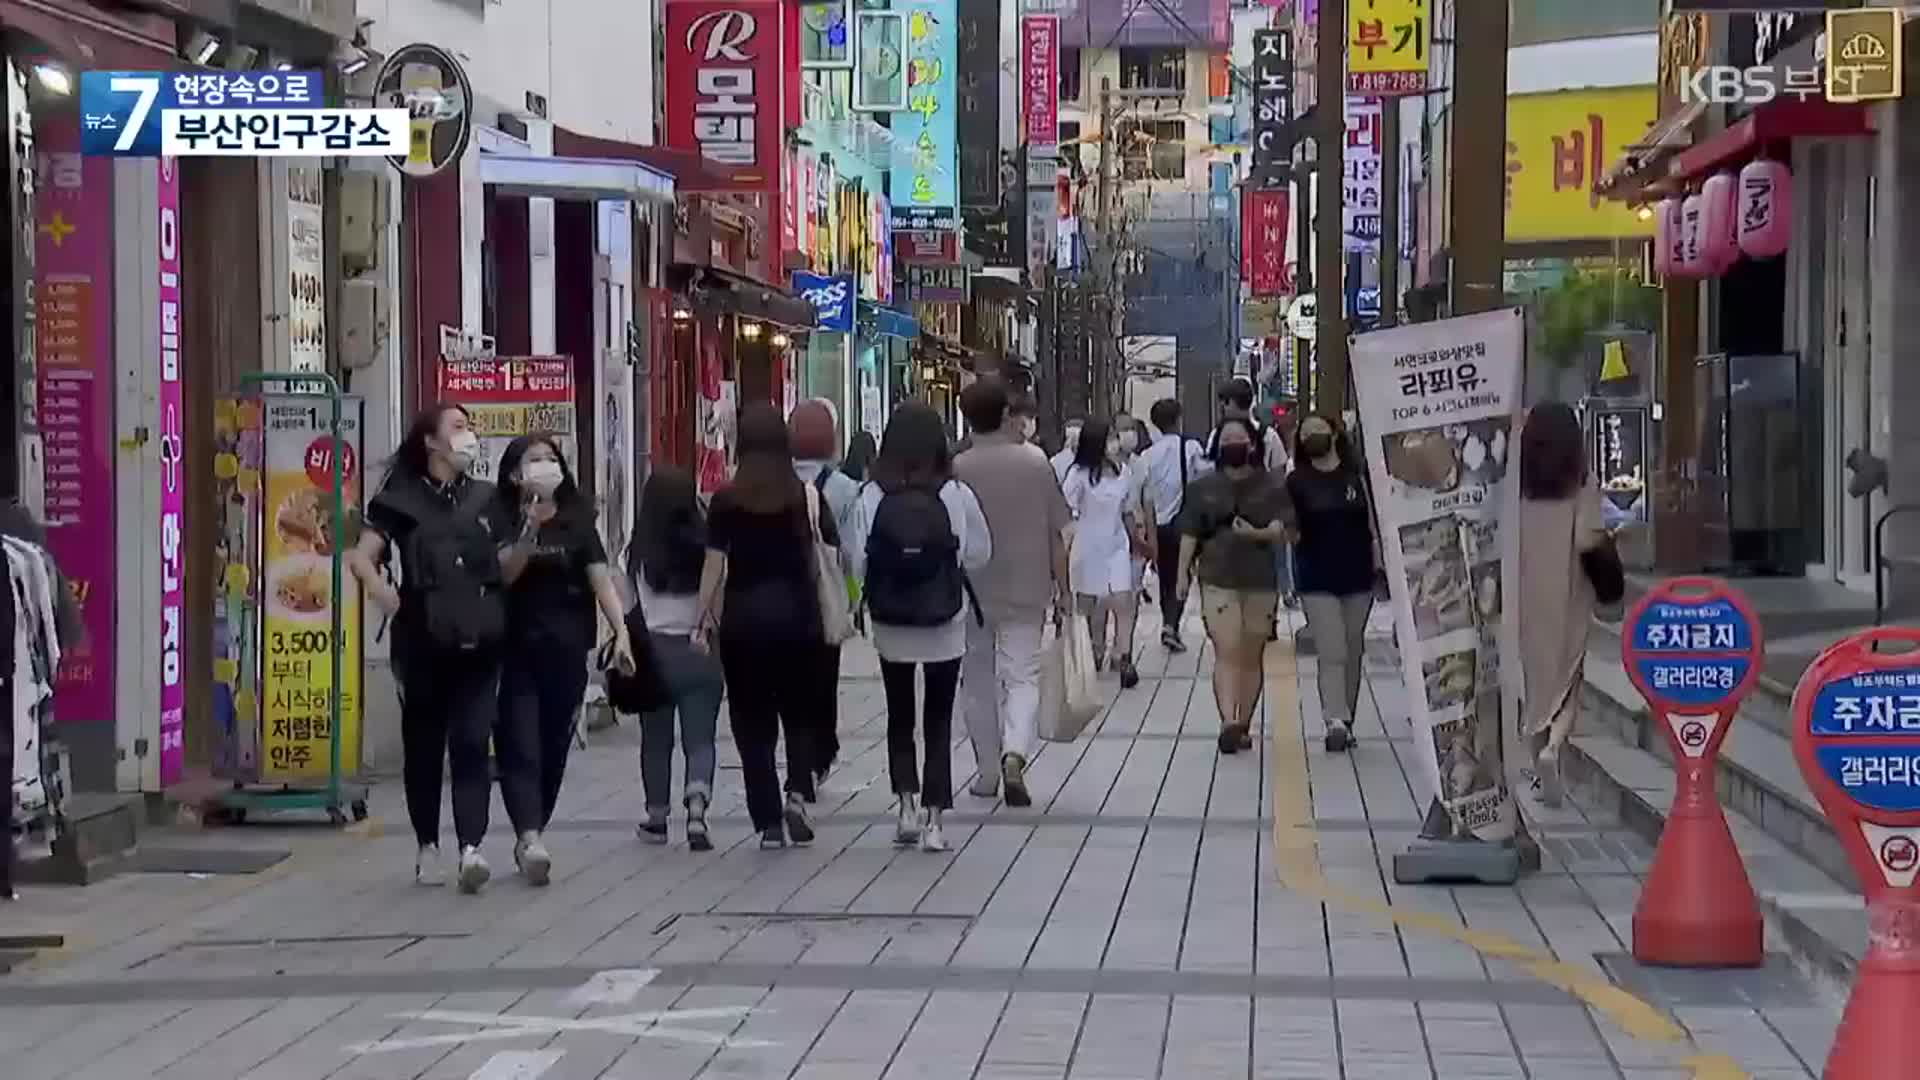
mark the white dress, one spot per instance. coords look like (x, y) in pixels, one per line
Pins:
(1101, 562)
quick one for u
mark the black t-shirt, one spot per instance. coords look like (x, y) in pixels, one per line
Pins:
(551, 602)
(769, 596)
(1226, 559)
(391, 513)
(1335, 552)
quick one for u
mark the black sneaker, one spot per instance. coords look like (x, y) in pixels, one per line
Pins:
(1129, 678)
(799, 829)
(773, 837)
(1339, 738)
(1171, 642)
(1230, 740)
(1013, 773)
(653, 832)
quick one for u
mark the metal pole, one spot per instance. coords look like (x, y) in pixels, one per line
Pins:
(1389, 212)
(1330, 335)
(1100, 304)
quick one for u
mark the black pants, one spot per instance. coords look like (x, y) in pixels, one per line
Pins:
(447, 706)
(825, 707)
(541, 686)
(770, 689)
(1167, 566)
(943, 679)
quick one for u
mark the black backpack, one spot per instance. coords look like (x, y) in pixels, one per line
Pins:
(913, 562)
(452, 572)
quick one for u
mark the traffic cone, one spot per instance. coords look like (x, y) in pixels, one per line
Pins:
(1697, 908)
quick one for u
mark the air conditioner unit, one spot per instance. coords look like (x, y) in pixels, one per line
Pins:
(363, 219)
(363, 322)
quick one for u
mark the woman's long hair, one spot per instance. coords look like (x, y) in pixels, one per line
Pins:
(411, 456)
(763, 481)
(914, 454)
(1553, 453)
(861, 452)
(566, 498)
(669, 533)
(1091, 451)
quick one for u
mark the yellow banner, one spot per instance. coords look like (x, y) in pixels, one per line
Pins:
(300, 537)
(1389, 44)
(1559, 145)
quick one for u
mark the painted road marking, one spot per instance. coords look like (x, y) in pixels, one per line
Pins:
(617, 987)
(1296, 855)
(517, 1065)
(491, 1026)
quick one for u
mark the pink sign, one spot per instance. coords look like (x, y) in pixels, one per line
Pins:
(1040, 79)
(1762, 215)
(172, 486)
(73, 254)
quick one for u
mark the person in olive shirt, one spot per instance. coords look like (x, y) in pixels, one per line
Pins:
(1232, 521)
(556, 570)
(1335, 564)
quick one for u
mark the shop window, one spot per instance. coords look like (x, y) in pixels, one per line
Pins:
(1070, 82)
(1153, 149)
(1153, 70)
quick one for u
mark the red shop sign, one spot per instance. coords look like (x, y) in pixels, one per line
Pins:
(1040, 78)
(723, 87)
(506, 379)
(1263, 241)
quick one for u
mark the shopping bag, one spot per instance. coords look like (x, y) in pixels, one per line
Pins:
(1065, 710)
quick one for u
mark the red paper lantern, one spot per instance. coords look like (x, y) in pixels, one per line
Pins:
(1763, 221)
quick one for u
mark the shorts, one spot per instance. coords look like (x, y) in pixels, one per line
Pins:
(1237, 612)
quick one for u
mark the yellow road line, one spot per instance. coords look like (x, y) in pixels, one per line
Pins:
(1296, 857)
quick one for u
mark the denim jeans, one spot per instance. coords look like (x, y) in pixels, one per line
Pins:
(693, 679)
(541, 686)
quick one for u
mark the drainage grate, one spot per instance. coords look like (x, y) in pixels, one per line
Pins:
(1774, 984)
(252, 956)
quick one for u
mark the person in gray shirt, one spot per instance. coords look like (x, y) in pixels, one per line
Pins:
(1027, 517)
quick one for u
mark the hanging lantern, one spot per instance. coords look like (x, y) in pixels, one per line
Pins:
(1689, 260)
(1719, 247)
(1762, 221)
(1666, 235)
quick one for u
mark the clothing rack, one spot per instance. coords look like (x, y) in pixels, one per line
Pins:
(34, 608)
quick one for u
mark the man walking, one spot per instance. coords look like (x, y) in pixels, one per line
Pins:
(1169, 465)
(1026, 515)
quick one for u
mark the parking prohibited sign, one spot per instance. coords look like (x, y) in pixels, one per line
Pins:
(1692, 647)
(1856, 736)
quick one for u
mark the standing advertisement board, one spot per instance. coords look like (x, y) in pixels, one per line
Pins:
(510, 396)
(173, 488)
(1439, 407)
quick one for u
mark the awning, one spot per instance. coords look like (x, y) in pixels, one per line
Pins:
(721, 292)
(689, 170)
(87, 37)
(1644, 165)
(888, 322)
(1773, 122)
(574, 178)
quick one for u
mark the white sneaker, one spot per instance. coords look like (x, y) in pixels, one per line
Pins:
(428, 869)
(984, 786)
(908, 829)
(931, 838)
(1553, 790)
(531, 856)
(474, 870)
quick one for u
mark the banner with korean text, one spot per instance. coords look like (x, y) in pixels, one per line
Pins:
(510, 396)
(1439, 409)
(1360, 170)
(723, 87)
(173, 487)
(1264, 219)
(1389, 43)
(926, 185)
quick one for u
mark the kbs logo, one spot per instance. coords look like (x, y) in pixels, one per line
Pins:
(1724, 84)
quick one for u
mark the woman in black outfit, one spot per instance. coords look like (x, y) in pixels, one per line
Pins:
(1335, 563)
(759, 608)
(556, 570)
(449, 626)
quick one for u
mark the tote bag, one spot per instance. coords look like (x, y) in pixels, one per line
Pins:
(829, 584)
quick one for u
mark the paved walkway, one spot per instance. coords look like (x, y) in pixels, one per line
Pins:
(1161, 912)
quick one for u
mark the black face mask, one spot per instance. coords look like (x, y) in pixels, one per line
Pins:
(1236, 455)
(1316, 445)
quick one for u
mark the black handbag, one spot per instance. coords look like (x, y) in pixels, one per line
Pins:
(644, 689)
(1604, 571)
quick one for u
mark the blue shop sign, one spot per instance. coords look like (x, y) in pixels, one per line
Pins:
(1872, 704)
(1710, 626)
(890, 323)
(1879, 776)
(832, 298)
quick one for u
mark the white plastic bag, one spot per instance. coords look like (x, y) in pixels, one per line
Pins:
(1069, 692)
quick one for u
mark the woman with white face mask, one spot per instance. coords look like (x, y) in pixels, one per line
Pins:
(449, 626)
(556, 570)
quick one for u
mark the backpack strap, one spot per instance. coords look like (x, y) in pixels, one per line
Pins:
(820, 479)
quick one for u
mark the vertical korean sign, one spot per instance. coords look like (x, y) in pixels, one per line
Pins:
(723, 87)
(173, 493)
(925, 187)
(1388, 42)
(1040, 118)
(1263, 241)
(1361, 176)
(74, 262)
(1439, 406)
(1272, 104)
(297, 681)
(306, 269)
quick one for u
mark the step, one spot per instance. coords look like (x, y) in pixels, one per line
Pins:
(1797, 867)
(102, 832)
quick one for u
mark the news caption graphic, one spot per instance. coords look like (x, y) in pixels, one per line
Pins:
(1692, 647)
(228, 114)
(1856, 738)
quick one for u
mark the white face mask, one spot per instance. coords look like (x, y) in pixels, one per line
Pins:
(463, 449)
(1129, 441)
(541, 477)
(1113, 448)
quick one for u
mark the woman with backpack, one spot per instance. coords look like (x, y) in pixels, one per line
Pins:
(1106, 539)
(760, 609)
(669, 546)
(556, 572)
(815, 443)
(925, 532)
(449, 627)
